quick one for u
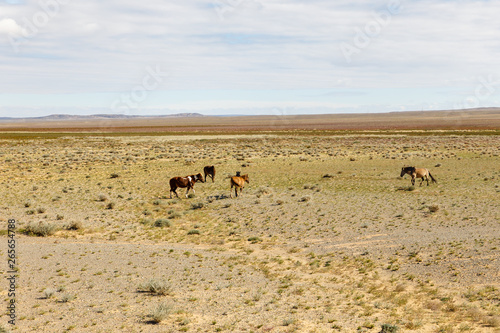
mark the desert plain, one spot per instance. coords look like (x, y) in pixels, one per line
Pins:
(325, 237)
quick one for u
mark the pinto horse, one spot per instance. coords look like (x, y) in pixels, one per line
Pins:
(209, 171)
(182, 182)
(238, 182)
(417, 173)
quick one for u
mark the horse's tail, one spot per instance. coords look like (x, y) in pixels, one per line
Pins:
(433, 180)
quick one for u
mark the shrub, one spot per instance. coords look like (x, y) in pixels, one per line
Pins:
(173, 214)
(114, 175)
(194, 232)
(156, 287)
(254, 239)
(197, 205)
(159, 312)
(493, 321)
(65, 298)
(49, 292)
(387, 328)
(41, 229)
(433, 208)
(160, 223)
(146, 221)
(75, 225)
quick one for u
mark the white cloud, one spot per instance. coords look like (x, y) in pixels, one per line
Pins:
(10, 27)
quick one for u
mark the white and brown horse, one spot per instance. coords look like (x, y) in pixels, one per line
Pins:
(417, 173)
(209, 171)
(238, 182)
(182, 182)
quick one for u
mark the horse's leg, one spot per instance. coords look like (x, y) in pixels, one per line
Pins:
(231, 191)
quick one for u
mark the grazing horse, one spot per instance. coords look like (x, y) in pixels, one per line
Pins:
(238, 182)
(182, 182)
(417, 173)
(209, 171)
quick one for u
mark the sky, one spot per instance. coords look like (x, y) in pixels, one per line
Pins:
(248, 57)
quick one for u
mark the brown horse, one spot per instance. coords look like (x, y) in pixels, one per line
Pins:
(182, 182)
(209, 171)
(238, 182)
(417, 173)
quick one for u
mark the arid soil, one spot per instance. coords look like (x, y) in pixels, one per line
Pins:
(326, 236)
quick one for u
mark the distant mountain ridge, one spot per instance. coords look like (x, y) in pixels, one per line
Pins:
(99, 116)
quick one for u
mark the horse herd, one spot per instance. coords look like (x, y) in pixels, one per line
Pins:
(238, 181)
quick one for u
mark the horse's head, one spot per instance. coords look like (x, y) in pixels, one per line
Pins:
(245, 178)
(405, 170)
(199, 177)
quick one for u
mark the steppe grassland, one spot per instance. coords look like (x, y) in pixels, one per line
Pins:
(326, 236)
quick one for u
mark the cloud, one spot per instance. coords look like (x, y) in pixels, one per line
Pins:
(10, 27)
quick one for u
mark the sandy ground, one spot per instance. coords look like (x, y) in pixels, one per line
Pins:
(325, 237)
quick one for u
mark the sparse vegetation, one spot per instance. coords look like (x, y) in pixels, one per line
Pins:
(302, 248)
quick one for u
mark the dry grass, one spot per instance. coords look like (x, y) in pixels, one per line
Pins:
(357, 250)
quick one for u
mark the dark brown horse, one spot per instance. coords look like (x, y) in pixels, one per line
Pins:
(209, 171)
(417, 173)
(238, 182)
(182, 182)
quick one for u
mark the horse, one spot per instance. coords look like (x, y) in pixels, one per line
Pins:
(238, 182)
(209, 171)
(417, 173)
(182, 182)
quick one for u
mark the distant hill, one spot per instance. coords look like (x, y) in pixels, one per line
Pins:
(60, 117)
